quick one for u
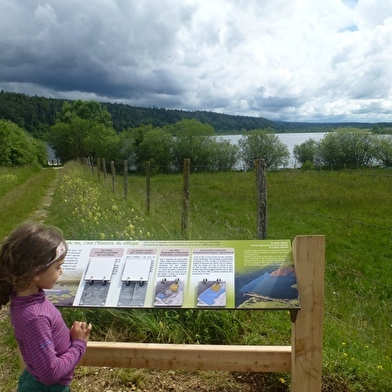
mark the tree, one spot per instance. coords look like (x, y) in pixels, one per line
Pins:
(86, 110)
(18, 147)
(263, 145)
(130, 141)
(67, 138)
(383, 150)
(305, 152)
(83, 129)
(223, 155)
(348, 147)
(192, 140)
(157, 147)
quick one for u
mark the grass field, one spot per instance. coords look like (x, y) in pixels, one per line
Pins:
(351, 208)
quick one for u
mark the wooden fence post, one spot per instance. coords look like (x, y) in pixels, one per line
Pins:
(99, 167)
(125, 180)
(307, 328)
(92, 165)
(261, 191)
(88, 163)
(148, 186)
(113, 170)
(105, 174)
(185, 197)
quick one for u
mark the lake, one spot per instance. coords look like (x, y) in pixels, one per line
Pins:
(289, 139)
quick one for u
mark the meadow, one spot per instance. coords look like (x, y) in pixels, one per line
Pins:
(351, 208)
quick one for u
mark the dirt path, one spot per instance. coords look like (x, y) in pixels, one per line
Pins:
(41, 213)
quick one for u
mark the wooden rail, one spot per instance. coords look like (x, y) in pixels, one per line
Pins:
(188, 357)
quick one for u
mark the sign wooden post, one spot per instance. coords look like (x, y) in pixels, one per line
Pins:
(307, 329)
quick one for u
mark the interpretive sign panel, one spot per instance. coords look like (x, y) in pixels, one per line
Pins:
(257, 274)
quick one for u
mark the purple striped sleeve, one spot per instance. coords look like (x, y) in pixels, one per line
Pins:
(50, 361)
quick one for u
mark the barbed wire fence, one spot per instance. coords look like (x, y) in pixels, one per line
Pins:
(260, 199)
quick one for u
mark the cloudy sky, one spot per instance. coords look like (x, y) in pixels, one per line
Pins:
(292, 60)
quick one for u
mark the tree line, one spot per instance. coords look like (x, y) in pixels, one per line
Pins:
(85, 128)
(38, 114)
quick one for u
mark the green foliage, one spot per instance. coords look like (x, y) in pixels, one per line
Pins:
(187, 129)
(146, 143)
(224, 155)
(197, 142)
(130, 140)
(83, 129)
(156, 147)
(346, 147)
(38, 114)
(305, 152)
(86, 110)
(35, 114)
(262, 145)
(17, 147)
(383, 150)
(166, 153)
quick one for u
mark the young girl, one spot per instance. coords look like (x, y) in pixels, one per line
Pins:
(30, 261)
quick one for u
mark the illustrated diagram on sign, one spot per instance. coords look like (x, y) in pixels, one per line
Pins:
(211, 293)
(97, 282)
(169, 293)
(64, 291)
(134, 282)
(172, 272)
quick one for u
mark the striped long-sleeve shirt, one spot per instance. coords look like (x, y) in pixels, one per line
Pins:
(44, 339)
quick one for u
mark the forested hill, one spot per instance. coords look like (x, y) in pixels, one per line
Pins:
(38, 114)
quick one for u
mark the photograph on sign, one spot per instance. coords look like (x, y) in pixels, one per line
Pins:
(134, 284)
(97, 282)
(169, 293)
(211, 293)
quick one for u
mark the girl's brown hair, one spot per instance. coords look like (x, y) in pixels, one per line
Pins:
(28, 249)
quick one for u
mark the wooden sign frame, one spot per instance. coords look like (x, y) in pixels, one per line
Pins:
(303, 358)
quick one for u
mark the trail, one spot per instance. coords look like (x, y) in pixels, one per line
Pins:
(41, 213)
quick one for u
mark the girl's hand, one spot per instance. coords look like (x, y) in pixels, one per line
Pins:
(81, 330)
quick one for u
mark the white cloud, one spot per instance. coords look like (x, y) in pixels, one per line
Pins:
(296, 60)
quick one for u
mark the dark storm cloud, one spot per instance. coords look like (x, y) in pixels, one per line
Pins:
(204, 55)
(74, 52)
